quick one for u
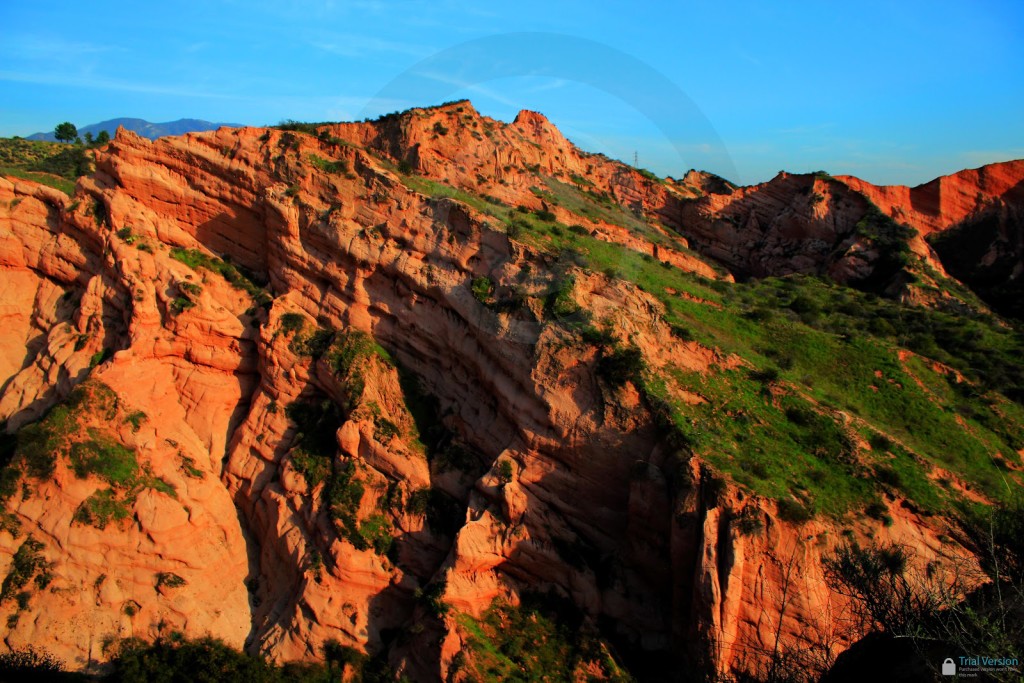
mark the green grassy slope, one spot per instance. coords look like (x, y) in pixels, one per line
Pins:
(842, 396)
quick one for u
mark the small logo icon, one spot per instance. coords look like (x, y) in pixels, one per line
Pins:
(948, 667)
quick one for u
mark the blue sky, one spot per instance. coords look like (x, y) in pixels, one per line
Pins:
(894, 92)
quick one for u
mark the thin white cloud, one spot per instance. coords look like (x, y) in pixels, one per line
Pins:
(555, 84)
(983, 156)
(351, 45)
(290, 8)
(91, 82)
(875, 163)
(470, 86)
(339, 108)
(803, 130)
(45, 47)
(745, 56)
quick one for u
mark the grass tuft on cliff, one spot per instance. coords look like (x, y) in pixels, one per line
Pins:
(237, 277)
(69, 433)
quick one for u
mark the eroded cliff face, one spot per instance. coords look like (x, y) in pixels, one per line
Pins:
(948, 201)
(841, 228)
(973, 221)
(348, 407)
(103, 578)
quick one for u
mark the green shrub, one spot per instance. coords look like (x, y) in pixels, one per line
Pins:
(888, 476)
(879, 442)
(559, 302)
(504, 471)
(749, 522)
(432, 598)
(100, 357)
(106, 458)
(681, 332)
(384, 430)
(313, 345)
(181, 304)
(99, 213)
(36, 450)
(292, 322)
(542, 639)
(188, 466)
(316, 444)
(30, 663)
(377, 533)
(794, 511)
(10, 523)
(755, 467)
(345, 494)
(623, 364)
(482, 288)
(176, 659)
(313, 467)
(102, 508)
(418, 501)
(36, 447)
(307, 127)
(597, 337)
(347, 356)
(169, 579)
(89, 451)
(768, 375)
(135, 419)
(27, 564)
(876, 510)
(190, 288)
(342, 655)
(818, 434)
(892, 242)
(341, 166)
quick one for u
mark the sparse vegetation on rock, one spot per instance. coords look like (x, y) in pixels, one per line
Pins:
(486, 364)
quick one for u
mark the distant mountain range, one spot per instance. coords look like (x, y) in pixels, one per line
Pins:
(144, 128)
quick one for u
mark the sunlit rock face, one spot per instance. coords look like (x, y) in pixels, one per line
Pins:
(285, 389)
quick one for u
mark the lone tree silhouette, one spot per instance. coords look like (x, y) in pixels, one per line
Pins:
(65, 132)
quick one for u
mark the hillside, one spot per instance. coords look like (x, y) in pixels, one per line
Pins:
(146, 129)
(50, 163)
(446, 397)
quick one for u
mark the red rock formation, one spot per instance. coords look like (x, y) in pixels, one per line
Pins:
(531, 452)
(946, 201)
(973, 220)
